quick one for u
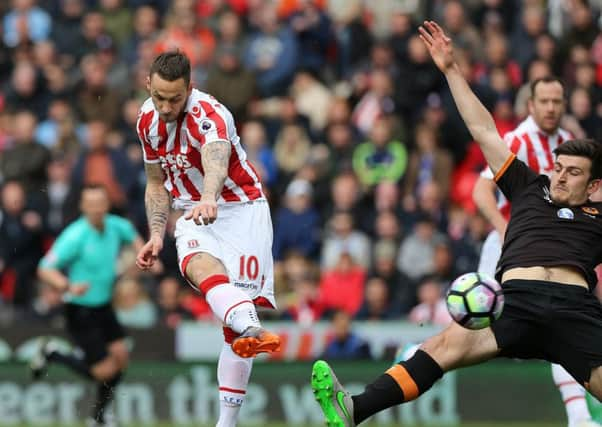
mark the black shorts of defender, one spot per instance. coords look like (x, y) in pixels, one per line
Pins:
(552, 321)
(93, 329)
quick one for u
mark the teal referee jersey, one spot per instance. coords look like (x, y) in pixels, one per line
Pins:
(89, 255)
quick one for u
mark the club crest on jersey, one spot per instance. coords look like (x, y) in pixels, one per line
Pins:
(193, 244)
(206, 125)
(195, 111)
(565, 213)
(589, 210)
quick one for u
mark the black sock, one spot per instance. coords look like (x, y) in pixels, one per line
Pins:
(104, 394)
(401, 383)
(77, 365)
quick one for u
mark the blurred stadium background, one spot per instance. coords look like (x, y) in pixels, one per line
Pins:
(365, 239)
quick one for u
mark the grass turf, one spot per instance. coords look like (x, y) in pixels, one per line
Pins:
(471, 424)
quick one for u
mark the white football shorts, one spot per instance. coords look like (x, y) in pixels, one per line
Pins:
(241, 238)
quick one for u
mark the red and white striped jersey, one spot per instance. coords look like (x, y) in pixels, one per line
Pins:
(532, 146)
(177, 146)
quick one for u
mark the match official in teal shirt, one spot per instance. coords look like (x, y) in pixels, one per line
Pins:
(82, 263)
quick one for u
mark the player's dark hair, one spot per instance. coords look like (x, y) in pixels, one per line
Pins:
(547, 79)
(171, 66)
(584, 148)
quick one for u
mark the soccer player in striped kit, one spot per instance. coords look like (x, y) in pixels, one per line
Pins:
(193, 158)
(533, 141)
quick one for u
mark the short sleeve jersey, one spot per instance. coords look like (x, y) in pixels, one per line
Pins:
(176, 146)
(89, 255)
(542, 233)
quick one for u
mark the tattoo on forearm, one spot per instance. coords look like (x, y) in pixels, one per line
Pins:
(215, 158)
(156, 200)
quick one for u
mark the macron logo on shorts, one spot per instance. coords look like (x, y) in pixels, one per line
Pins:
(193, 244)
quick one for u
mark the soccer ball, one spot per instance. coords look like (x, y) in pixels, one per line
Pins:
(475, 300)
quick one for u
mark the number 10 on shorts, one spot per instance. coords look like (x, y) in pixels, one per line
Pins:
(249, 267)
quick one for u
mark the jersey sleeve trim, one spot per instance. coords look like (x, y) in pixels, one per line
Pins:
(504, 167)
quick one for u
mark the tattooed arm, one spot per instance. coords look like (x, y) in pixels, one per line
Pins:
(215, 157)
(156, 201)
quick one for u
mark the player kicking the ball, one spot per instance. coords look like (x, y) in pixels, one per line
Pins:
(193, 155)
(552, 244)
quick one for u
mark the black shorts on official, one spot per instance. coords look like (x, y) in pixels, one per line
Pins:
(93, 329)
(552, 321)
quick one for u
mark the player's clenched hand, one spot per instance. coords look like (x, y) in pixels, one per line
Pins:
(438, 44)
(149, 253)
(78, 289)
(205, 212)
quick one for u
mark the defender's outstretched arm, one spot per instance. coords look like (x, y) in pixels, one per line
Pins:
(475, 115)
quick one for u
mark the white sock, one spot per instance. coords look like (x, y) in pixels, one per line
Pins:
(573, 395)
(233, 307)
(233, 374)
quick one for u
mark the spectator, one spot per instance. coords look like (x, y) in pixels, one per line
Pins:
(418, 77)
(416, 252)
(428, 162)
(380, 158)
(272, 53)
(352, 36)
(497, 56)
(20, 245)
(132, 306)
(312, 99)
(313, 31)
(254, 139)
(47, 307)
(95, 100)
(61, 204)
(26, 22)
(172, 311)
(92, 30)
(346, 196)
(378, 303)
(297, 223)
(26, 161)
(339, 137)
(342, 287)
(402, 29)
(580, 106)
(460, 29)
(375, 103)
(583, 30)
(431, 308)
(344, 238)
(230, 82)
(58, 132)
(400, 287)
(182, 31)
(100, 164)
(525, 35)
(303, 304)
(118, 20)
(538, 69)
(291, 149)
(66, 30)
(145, 28)
(26, 90)
(345, 344)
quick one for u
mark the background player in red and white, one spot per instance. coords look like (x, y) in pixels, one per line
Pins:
(193, 156)
(533, 141)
